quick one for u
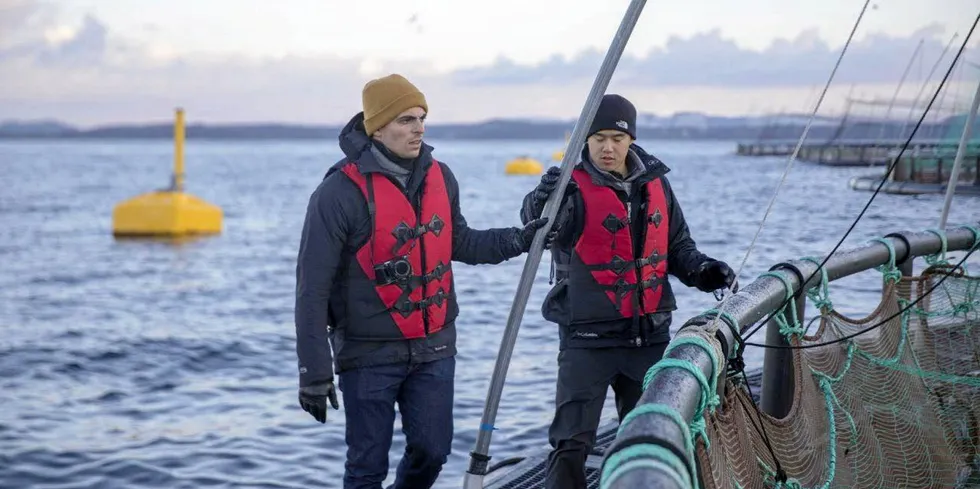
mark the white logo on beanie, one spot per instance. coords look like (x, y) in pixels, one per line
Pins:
(622, 124)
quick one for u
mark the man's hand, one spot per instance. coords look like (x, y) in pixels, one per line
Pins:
(525, 236)
(548, 183)
(313, 399)
(540, 194)
(714, 275)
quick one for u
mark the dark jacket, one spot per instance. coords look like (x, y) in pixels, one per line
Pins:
(683, 257)
(337, 224)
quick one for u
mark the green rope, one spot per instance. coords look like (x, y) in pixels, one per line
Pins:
(925, 374)
(789, 484)
(709, 397)
(785, 328)
(889, 270)
(828, 397)
(938, 258)
(769, 477)
(731, 319)
(653, 457)
(709, 394)
(821, 297)
(669, 412)
(976, 237)
(733, 324)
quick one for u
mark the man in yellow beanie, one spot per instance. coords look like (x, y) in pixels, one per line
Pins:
(374, 276)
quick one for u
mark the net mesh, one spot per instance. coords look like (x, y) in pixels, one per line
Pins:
(895, 407)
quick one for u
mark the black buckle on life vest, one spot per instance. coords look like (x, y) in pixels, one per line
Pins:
(436, 273)
(404, 233)
(656, 218)
(620, 287)
(620, 265)
(613, 224)
(650, 260)
(406, 307)
(395, 270)
(653, 283)
(435, 225)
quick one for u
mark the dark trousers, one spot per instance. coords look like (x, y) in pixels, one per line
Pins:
(424, 393)
(584, 377)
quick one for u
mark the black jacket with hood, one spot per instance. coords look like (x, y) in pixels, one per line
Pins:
(337, 224)
(683, 257)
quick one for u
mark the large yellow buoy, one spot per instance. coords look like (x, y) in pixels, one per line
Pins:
(523, 166)
(169, 212)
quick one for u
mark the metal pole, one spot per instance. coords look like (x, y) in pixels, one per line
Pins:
(479, 457)
(778, 374)
(954, 177)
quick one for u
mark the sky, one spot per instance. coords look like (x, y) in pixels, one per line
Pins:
(92, 62)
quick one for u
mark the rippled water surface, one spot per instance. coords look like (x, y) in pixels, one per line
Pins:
(143, 364)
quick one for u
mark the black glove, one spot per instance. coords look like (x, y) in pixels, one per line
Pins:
(714, 275)
(524, 237)
(548, 183)
(313, 399)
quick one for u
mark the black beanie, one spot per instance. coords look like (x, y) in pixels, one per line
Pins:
(616, 113)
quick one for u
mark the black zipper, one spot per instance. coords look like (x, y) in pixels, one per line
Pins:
(637, 293)
(418, 221)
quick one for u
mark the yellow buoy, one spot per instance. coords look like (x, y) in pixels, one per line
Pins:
(523, 166)
(560, 154)
(170, 212)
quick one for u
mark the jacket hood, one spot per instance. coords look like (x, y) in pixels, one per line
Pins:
(352, 138)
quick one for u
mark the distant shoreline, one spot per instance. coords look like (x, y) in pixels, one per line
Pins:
(689, 127)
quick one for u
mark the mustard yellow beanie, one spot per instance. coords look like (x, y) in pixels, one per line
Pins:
(386, 97)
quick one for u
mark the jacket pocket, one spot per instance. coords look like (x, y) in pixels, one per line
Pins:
(554, 308)
(656, 327)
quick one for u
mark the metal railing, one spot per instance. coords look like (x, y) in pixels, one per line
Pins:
(680, 391)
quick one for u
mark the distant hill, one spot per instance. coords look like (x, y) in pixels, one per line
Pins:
(35, 129)
(678, 126)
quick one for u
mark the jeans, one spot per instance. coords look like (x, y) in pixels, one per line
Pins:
(424, 393)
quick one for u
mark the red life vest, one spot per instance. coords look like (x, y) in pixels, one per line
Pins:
(605, 248)
(407, 259)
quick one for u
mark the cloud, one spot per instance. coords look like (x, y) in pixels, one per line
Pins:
(90, 75)
(13, 13)
(708, 59)
(86, 75)
(87, 47)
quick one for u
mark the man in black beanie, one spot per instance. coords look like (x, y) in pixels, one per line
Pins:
(620, 231)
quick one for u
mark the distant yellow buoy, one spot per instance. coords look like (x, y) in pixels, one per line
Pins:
(560, 154)
(170, 212)
(523, 166)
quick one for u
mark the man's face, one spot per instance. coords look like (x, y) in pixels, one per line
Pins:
(403, 135)
(608, 149)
